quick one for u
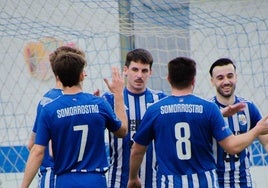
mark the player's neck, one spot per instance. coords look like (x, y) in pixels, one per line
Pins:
(72, 90)
(136, 90)
(181, 92)
(226, 100)
(58, 85)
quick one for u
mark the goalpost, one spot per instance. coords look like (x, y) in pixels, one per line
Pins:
(204, 30)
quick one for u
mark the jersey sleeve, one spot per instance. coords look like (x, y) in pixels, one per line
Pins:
(109, 97)
(42, 133)
(254, 113)
(144, 134)
(162, 95)
(39, 107)
(220, 130)
(113, 123)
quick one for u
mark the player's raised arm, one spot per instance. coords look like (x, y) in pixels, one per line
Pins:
(116, 86)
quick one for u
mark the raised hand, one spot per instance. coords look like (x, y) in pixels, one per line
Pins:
(116, 85)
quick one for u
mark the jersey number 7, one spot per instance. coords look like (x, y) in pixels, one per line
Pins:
(84, 129)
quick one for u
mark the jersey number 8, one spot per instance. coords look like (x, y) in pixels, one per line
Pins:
(183, 144)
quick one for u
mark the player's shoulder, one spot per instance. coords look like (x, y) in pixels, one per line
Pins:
(53, 93)
(50, 95)
(107, 94)
(156, 92)
(160, 102)
(243, 99)
(206, 103)
(202, 99)
(251, 105)
(211, 99)
(93, 98)
(45, 100)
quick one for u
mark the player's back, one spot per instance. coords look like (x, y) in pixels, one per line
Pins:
(76, 124)
(183, 127)
(191, 123)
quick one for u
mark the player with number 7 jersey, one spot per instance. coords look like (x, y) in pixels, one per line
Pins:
(75, 123)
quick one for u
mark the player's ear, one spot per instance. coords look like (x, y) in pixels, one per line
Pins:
(82, 76)
(125, 68)
(57, 78)
(168, 78)
(193, 81)
(151, 72)
(212, 81)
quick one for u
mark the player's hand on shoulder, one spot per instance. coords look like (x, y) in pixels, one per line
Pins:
(233, 109)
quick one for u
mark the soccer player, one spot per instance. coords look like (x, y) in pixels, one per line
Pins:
(75, 124)
(45, 173)
(137, 98)
(182, 126)
(233, 170)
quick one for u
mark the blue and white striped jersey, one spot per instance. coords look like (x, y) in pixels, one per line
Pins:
(136, 105)
(182, 128)
(233, 170)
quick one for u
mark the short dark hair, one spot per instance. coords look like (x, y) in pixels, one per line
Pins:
(181, 72)
(68, 67)
(139, 54)
(61, 49)
(221, 62)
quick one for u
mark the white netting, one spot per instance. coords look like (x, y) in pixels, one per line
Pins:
(106, 29)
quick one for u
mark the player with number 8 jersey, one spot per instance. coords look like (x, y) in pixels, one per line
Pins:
(182, 127)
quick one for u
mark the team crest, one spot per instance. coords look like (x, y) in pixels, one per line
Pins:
(242, 119)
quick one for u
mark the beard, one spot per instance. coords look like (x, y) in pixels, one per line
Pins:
(226, 94)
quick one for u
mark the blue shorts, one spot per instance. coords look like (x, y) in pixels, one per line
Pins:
(46, 178)
(81, 180)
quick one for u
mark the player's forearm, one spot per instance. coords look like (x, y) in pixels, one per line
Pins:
(242, 141)
(135, 163)
(28, 177)
(237, 143)
(136, 157)
(33, 163)
(120, 111)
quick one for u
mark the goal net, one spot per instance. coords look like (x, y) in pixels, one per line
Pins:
(106, 29)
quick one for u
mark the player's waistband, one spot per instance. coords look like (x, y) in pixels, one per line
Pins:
(45, 169)
(97, 170)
